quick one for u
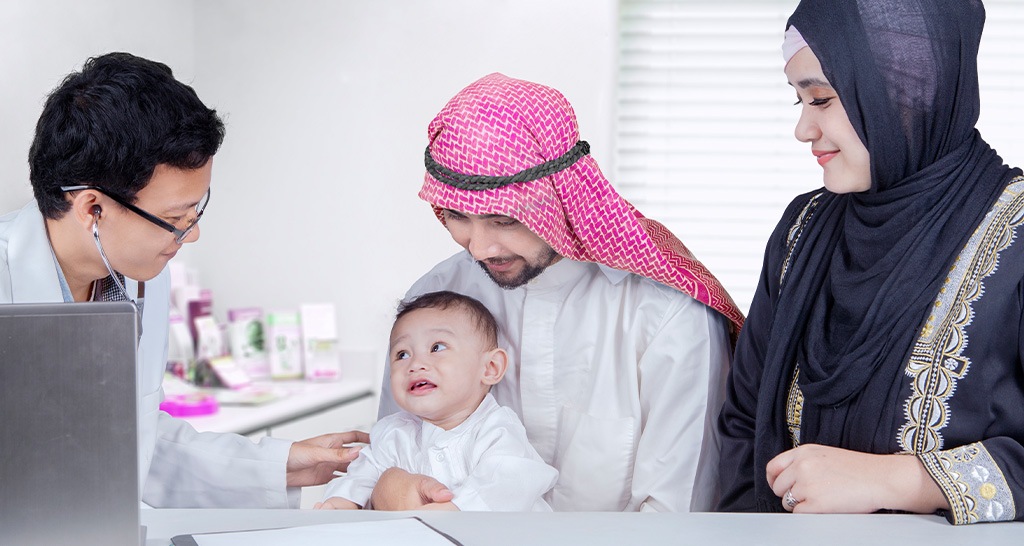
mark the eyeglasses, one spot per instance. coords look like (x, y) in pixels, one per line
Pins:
(179, 234)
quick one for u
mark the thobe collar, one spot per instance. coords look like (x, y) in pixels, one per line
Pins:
(566, 271)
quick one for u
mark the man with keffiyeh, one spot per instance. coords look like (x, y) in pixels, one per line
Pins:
(619, 339)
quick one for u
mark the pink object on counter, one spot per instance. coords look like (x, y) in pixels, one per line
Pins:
(189, 405)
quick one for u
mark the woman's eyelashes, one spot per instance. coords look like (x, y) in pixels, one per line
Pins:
(824, 101)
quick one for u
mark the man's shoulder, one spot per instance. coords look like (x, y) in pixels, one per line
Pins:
(643, 287)
(19, 225)
(9, 222)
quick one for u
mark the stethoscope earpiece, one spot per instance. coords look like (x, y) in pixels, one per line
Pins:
(96, 210)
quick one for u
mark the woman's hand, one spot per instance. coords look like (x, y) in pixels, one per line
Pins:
(821, 479)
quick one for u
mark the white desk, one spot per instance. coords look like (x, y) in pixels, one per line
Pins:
(304, 399)
(612, 529)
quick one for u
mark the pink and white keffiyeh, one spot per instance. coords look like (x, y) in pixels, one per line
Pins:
(499, 127)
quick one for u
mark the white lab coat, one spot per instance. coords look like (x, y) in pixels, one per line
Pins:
(178, 466)
(486, 461)
(618, 380)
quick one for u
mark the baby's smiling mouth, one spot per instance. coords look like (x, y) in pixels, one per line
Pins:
(421, 386)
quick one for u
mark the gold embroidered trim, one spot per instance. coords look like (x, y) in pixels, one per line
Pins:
(793, 237)
(795, 398)
(972, 481)
(937, 361)
(794, 408)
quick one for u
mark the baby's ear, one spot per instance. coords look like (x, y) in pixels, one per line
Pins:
(495, 366)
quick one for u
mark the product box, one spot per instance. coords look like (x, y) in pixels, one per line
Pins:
(181, 352)
(210, 341)
(197, 308)
(284, 345)
(320, 341)
(246, 341)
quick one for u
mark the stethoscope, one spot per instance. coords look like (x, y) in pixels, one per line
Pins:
(96, 211)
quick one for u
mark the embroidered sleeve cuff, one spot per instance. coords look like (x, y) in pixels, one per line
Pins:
(972, 483)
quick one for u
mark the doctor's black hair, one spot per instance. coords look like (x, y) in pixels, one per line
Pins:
(445, 299)
(111, 124)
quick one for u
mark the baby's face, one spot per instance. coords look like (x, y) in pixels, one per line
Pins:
(438, 361)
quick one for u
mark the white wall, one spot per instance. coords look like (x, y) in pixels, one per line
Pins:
(41, 41)
(327, 104)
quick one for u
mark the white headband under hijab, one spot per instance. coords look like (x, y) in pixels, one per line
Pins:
(792, 43)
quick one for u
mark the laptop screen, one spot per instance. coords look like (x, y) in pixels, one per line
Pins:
(69, 425)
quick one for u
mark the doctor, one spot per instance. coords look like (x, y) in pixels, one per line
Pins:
(618, 337)
(120, 169)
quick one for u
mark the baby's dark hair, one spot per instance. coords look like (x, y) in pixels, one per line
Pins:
(445, 299)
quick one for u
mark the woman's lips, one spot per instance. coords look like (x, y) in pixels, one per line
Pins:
(824, 157)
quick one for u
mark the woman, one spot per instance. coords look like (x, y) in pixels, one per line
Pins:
(880, 366)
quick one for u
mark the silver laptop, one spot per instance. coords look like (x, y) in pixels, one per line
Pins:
(68, 424)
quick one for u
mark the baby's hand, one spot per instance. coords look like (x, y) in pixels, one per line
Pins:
(336, 503)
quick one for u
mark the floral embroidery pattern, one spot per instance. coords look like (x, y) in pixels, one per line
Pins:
(973, 483)
(937, 361)
(968, 475)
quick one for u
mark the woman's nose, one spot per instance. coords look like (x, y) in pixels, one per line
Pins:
(807, 129)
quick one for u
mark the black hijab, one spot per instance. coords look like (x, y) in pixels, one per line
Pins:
(870, 264)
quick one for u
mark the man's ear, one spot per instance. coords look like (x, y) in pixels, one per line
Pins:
(86, 208)
(495, 367)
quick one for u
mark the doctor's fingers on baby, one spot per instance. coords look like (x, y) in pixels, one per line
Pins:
(336, 440)
(312, 462)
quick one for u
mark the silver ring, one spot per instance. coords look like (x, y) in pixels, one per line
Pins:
(790, 500)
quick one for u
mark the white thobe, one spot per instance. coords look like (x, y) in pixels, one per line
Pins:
(618, 380)
(486, 461)
(178, 467)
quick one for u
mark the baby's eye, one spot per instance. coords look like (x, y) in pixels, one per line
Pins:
(401, 355)
(438, 347)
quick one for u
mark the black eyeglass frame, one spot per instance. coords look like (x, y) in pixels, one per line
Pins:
(179, 234)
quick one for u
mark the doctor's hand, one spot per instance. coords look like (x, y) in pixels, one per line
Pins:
(399, 490)
(820, 479)
(313, 461)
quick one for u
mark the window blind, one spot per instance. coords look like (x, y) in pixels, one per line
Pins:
(704, 121)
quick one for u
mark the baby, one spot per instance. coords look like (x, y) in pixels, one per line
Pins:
(444, 358)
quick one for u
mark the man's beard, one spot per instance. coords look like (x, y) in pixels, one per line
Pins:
(529, 272)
